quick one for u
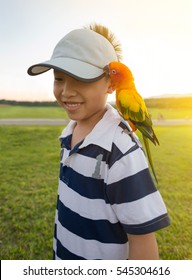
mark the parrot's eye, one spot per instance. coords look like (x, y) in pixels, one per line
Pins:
(113, 71)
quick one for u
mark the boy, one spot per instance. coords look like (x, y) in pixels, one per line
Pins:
(108, 206)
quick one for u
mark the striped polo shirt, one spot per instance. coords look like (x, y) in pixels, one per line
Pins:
(105, 192)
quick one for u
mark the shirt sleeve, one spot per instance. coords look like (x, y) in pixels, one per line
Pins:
(132, 193)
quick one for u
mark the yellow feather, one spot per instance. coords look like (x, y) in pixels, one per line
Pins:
(128, 100)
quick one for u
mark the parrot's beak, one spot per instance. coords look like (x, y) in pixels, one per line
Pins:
(106, 70)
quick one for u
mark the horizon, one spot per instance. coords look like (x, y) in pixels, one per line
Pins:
(163, 96)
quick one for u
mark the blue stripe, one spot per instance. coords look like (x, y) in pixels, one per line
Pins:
(131, 188)
(101, 230)
(65, 254)
(85, 186)
(126, 190)
(57, 201)
(55, 231)
(66, 142)
(116, 154)
(92, 151)
(150, 226)
(54, 255)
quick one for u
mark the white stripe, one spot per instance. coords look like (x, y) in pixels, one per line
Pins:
(127, 166)
(141, 210)
(94, 209)
(86, 165)
(57, 258)
(55, 239)
(65, 155)
(56, 216)
(91, 249)
(54, 245)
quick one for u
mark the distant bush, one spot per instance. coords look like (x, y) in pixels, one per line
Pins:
(28, 103)
(170, 103)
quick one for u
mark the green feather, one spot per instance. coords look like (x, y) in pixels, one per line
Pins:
(147, 148)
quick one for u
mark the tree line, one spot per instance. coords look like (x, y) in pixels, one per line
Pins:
(28, 103)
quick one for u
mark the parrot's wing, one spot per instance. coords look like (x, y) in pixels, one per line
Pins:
(132, 107)
(129, 103)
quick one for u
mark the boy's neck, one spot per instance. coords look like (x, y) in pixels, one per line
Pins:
(83, 128)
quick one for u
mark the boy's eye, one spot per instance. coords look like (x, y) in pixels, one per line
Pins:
(58, 79)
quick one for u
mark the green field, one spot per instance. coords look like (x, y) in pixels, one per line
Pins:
(11, 112)
(29, 168)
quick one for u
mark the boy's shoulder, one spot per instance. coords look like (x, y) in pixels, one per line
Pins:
(125, 138)
(117, 133)
(114, 130)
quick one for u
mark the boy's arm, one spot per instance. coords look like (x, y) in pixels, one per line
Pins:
(143, 247)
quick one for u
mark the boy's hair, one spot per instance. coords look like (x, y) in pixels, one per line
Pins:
(109, 35)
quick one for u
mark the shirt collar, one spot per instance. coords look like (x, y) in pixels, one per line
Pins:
(103, 133)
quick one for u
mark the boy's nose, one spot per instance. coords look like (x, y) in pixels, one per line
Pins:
(68, 91)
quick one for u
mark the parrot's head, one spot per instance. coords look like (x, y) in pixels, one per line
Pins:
(119, 73)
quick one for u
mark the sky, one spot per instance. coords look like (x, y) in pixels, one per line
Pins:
(156, 38)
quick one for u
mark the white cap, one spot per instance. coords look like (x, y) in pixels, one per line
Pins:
(82, 54)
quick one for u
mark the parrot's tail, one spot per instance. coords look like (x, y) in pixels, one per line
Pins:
(147, 148)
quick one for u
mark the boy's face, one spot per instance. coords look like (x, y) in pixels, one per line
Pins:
(82, 101)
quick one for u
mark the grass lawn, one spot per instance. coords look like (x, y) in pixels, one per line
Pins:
(11, 112)
(29, 169)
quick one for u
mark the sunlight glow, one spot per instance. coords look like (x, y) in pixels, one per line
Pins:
(155, 36)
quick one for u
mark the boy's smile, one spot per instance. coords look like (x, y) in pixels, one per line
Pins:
(72, 106)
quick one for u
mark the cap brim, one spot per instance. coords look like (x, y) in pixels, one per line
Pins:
(77, 69)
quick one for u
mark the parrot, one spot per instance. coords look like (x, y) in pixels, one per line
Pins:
(131, 106)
